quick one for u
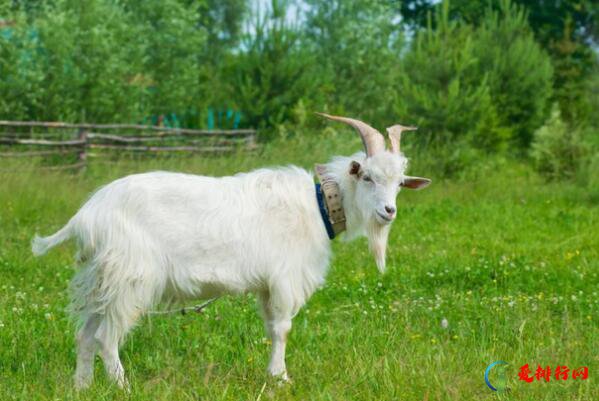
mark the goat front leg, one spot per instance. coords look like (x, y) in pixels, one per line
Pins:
(277, 320)
(278, 330)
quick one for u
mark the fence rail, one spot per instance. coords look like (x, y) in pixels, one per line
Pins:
(137, 127)
(71, 144)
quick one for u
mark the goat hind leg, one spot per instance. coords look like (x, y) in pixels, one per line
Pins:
(86, 351)
(109, 352)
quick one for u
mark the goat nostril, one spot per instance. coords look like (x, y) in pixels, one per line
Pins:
(390, 210)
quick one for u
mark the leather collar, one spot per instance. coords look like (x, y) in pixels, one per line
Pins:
(330, 202)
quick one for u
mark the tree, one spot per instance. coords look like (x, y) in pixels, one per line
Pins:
(546, 18)
(68, 63)
(488, 84)
(518, 71)
(273, 71)
(442, 90)
(172, 42)
(222, 21)
(568, 30)
(357, 47)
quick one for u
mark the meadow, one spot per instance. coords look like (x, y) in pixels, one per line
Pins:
(494, 264)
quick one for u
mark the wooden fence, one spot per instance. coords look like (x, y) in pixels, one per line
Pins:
(69, 146)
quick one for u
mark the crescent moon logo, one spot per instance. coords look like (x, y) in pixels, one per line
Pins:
(488, 370)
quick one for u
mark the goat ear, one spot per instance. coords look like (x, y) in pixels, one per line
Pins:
(355, 169)
(415, 182)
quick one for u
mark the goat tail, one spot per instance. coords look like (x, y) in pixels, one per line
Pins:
(41, 245)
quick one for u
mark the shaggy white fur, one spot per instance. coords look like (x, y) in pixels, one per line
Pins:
(155, 237)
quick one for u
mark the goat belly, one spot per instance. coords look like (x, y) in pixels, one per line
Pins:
(202, 236)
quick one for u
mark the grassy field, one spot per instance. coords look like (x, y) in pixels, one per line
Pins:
(509, 261)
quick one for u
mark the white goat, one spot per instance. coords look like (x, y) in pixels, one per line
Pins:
(161, 236)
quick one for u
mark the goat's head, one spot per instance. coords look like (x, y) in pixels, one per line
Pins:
(371, 183)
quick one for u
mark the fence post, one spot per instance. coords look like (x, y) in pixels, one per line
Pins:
(82, 156)
(251, 141)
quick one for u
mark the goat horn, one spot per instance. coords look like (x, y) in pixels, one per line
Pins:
(373, 140)
(394, 133)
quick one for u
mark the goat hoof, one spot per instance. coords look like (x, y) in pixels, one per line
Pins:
(82, 384)
(124, 386)
(282, 379)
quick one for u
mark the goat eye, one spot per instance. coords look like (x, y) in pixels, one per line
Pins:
(367, 178)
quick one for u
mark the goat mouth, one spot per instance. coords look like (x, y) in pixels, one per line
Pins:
(385, 218)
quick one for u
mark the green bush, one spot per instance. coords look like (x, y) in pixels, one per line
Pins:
(557, 150)
(589, 164)
(589, 176)
(453, 160)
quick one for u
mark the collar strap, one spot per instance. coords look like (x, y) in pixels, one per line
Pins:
(323, 212)
(329, 202)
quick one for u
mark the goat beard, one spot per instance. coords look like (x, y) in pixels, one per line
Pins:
(377, 241)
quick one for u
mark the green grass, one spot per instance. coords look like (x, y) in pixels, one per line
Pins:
(510, 262)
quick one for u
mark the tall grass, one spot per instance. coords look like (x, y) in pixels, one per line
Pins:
(509, 261)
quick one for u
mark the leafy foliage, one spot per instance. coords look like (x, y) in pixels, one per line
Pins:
(357, 47)
(68, 64)
(518, 71)
(442, 90)
(476, 77)
(487, 85)
(567, 30)
(170, 37)
(557, 150)
(274, 72)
